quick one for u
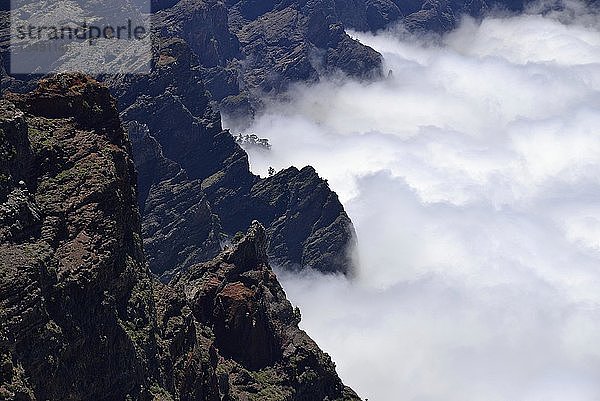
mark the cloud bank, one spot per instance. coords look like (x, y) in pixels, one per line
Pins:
(472, 175)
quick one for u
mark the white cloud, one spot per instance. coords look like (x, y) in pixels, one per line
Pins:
(473, 179)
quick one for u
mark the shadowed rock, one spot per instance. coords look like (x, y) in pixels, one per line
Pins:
(80, 315)
(238, 296)
(74, 290)
(195, 181)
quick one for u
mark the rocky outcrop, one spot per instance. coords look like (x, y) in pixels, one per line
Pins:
(297, 42)
(196, 188)
(266, 356)
(307, 225)
(179, 227)
(314, 231)
(75, 294)
(229, 55)
(246, 47)
(249, 48)
(81, 317)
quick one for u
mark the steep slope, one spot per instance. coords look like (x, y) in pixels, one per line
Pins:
(264, 46)
(179, 227)
(195, 185)
(193, 174)
(75, 295)
(230, 54)
(248, 47)
(243, 310)
(81, 317)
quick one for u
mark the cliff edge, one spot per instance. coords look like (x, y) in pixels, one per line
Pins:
(81, 316)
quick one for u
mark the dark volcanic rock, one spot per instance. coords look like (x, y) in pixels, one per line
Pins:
(236, 50)
(300, 43)
(179, 227)
(74, 291)
(238, 297)
(80, 316)
(229, 53)
(435, 16)
(306, 223)
(204, 26)
(249, 46)
(314, 231)
(190, 168)
(370, 15)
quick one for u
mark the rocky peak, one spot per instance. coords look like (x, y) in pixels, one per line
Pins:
(202, 24)
(74, 290)
(238, 297)
(71, 96)
(80, 315)
(250, 250)
(196, 187)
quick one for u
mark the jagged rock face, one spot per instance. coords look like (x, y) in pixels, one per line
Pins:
(177, 142)
(435, 16)
(298, 42)
(191, 171)
(237, 48)
(179, 227)
(202, 24)
(80, 316)
(238, 298)
(247, 46)
(75, 295)
(306, 223)
(369, 15)
(195, 181)
(323, 244)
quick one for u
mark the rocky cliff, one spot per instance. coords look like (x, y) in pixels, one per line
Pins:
(75, 295)
(248, 48)
(81, 315)
(213, 55)
(82, 318)
(196, 188)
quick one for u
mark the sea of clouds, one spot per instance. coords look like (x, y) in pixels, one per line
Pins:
(472, 175)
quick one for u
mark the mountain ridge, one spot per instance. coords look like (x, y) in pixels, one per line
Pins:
(182, 130)
(81, 315)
